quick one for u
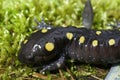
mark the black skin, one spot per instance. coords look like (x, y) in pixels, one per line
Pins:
(33, 51)
(31, 54)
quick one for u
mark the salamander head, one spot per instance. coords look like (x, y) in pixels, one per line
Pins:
(36, 50)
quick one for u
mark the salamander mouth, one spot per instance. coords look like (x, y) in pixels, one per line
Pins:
(35, 60)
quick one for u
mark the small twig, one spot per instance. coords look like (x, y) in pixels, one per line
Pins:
(38, 75)
(72, 78)
(61, 74)
(96, 77)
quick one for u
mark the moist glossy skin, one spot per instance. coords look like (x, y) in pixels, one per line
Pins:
(49, 48)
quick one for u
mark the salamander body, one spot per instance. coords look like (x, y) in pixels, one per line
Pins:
(50, 48)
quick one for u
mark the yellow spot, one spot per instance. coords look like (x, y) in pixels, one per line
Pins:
(49, 46)
(64, 26)
(25, 41)
(98, 32)
(82, 39)
(94, 43)
(111, 42)
(35, 31)
(44, 30)
(69, 35)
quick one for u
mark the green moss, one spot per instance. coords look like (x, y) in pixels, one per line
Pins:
(17, 21)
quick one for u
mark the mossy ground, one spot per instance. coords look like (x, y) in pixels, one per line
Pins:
(17, 22)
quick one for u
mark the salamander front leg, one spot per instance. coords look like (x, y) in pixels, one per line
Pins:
(59, 63)
(42, 24)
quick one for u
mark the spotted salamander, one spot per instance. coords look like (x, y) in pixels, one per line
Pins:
(51, 46)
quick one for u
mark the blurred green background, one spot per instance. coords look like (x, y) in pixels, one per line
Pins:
(17, 22)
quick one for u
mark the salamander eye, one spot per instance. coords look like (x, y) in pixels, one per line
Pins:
(36, 47)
